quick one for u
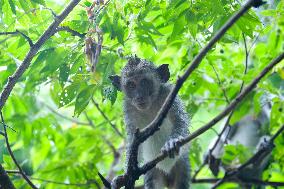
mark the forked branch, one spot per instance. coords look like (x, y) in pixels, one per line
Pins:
(133, 172)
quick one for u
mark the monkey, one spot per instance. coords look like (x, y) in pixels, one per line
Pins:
(250, 132)
(145, 89)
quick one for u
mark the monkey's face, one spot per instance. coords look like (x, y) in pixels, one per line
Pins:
(141, 82)
(141, 90)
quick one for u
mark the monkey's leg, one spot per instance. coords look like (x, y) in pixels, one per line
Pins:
(154, 179)
(181, 173)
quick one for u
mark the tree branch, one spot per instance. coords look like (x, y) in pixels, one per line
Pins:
(154, 125)
(277, 133)
(12, 80)
(249, 181)
(21, 33)
(73, 32)
(132, 171)
(263, 152)
(227, 110)
(87, 183)
(12, 155)
(220, 83)
(5, 181)
(106, 118)
(23, 67)
(227, 124)
(65, 117)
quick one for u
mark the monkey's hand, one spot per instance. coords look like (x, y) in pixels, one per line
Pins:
(172, 147)
(264, 144)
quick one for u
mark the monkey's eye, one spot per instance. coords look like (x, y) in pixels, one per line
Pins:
(145, 83)
(130, 85)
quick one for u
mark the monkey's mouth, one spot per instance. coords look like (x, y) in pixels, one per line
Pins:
(142, 105)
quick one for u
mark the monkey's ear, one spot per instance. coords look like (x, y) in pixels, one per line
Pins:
(164, 73)
(115, 80)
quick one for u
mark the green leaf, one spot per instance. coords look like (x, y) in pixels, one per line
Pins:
(55, 91)
(83, 99)
(69, 93)
(12, 6)
(78, 25)
(87, 3)
(42, 2)
(178, 28)
(24, 5)
(149, 28)
(110, 93)
(64, 71)
(192, 23)
(7, 10)
(147, 39)
(1, 4)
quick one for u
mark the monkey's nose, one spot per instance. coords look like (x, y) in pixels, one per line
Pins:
(139, 99)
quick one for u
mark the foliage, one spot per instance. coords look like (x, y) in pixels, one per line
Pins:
(73, 150)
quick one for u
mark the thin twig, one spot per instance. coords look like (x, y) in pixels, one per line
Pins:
(12, 154)
(102, 7)
(106, 118)
(73, 32)
(220, 83)
(99, 11)
(277, 133)
(65, 117)
(246, 55)
(46, 8)
(21, 33)
(253, 43)
(227, 124)
(91, 123)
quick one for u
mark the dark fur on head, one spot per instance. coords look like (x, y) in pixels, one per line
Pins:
(136, 65)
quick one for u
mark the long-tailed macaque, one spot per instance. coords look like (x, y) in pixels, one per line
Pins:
(145, 89)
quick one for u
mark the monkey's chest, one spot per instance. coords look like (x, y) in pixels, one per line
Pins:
(152, 146)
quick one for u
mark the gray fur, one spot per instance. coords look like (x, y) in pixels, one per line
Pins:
(172, 172)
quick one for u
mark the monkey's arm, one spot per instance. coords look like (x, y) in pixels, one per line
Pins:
(180, 121)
